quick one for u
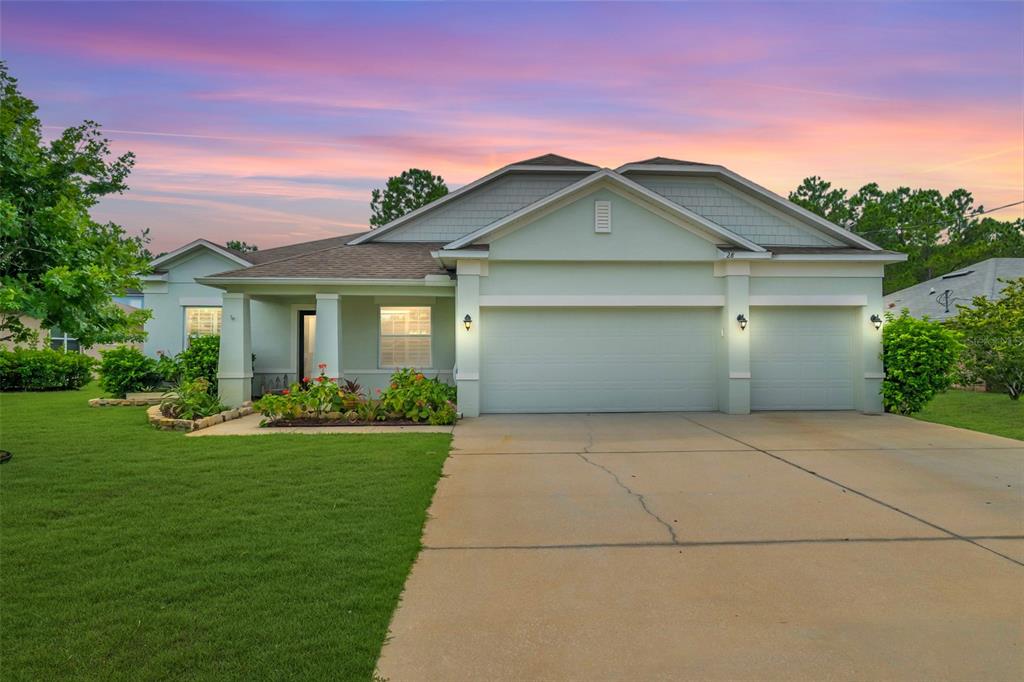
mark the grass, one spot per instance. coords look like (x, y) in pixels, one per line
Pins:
(128, 553)
(991, 413)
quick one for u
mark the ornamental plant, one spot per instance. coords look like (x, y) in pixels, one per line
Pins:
(43, 369)
(127, 370)
(920, 358)
(993, 335)
(190, 400)
(200, 359)
(410, 395)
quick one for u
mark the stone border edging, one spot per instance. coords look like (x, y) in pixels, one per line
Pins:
(123, 402)
(159, 421)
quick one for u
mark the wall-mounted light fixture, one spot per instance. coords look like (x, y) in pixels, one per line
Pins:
(742, 319)
(468, 321)
(877, 321)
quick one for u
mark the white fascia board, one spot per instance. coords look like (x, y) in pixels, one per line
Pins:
(465, 189)
(155, 277)
(601, 301)
(428, 281)
(741, 182)
(180, 251)
(848, 257)
(607, 174)
(744, 255)
(448, 259)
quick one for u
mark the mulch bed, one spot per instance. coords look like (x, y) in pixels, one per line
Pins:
(343, 422)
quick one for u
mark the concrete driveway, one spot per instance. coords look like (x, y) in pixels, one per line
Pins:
(707, 546)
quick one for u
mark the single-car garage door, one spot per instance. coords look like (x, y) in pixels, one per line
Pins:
(801, 358)
(598, 359)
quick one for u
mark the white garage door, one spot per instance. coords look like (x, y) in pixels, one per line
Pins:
(801, 358)
(597, 359)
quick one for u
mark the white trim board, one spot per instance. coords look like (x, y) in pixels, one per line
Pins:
(601, 301)
(181, 250)
(822, 300)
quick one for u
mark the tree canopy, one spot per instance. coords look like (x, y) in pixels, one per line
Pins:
(57, 264)
(240, 246)
(939, 233)
(993, 333)
(404, 193)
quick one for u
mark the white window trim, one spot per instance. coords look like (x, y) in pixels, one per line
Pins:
(380, 337)
(184, 321)
(64, 338)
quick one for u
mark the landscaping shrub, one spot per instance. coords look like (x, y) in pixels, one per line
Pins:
(167, 368)
(920, 357)
(43, 369)
(190, 400)
(993, 336)
(412, 396)
(127, 370)
(200, 359)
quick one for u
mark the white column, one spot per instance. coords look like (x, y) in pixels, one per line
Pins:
(734, 398)
(234, 372)
(327, 349)
(467, 343)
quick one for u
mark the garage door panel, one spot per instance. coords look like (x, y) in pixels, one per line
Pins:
(592, 360)
(801, 359)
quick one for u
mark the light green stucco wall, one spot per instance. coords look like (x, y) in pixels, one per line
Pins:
(590, 277)
(166, 328)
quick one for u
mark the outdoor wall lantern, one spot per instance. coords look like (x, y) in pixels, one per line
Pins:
(468, 321)
(877, 321)
(742, 319)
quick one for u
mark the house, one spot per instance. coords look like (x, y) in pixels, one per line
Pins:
(552, 285)
(939, 297)
(58, 339)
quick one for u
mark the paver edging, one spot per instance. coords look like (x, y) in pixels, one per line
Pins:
(159, 421)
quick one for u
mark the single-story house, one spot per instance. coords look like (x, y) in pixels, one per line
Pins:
(58, 339)
(939, 297)
(552, 285)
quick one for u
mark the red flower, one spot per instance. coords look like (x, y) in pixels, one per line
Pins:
(322, 365)
(321, 378)
(305, 380)
(285, 392)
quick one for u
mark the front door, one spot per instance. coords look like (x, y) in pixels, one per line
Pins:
(307, 342)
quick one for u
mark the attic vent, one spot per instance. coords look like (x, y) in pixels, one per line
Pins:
(602, 216)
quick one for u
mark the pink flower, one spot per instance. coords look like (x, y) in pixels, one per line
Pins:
(322, 365)
(321, 378)
(285, 392)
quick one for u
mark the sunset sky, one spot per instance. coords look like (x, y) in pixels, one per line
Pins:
(271, 122)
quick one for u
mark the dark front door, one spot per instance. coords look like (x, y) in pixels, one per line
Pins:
(307, 342)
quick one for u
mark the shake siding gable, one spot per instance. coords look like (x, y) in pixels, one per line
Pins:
(728, 207)
(479, 208)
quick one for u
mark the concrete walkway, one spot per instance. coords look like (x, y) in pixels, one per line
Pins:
(707, 546)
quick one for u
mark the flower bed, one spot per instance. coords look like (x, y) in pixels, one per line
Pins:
(158, 420)
(410, 399)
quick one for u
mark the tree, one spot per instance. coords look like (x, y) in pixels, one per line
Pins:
(993, 333)
(57, 264)
(404, 193)
(241, 247)
(939, 233)
(919, 357)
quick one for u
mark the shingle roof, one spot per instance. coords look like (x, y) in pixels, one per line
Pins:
(373, 260)
(279, 252)
(665, 161)
(552, 160)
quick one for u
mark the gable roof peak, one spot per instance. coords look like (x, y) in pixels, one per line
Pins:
(665, 161)
(552, 160)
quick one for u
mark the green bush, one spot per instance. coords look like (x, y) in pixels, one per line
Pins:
(200, 359)
(167, 368)
(411, 395)
(42, 369)
(126, 370)
(190, 400)
(920, 358)
(993, 335)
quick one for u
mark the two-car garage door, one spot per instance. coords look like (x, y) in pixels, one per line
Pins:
(598, 359)
(660, 359)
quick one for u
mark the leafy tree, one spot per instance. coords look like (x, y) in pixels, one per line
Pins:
(993, 333)
(57, 264)
(404, 193)
(920, 358)
(241, 247)
(939, 233)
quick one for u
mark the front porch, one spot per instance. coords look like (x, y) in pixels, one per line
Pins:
(272, 337)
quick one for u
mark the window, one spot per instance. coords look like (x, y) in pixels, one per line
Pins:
(405, 337)
(59, 340)
(201, 322)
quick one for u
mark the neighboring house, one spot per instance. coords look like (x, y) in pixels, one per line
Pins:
(552, 285)
(938, 298)
(59, 340)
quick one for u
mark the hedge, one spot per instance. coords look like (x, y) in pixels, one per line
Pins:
(43, 369)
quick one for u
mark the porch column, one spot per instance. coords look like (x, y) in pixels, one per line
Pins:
(234, 371)
(735, 396)
(868, 356)
(467, 343)
(327, 349)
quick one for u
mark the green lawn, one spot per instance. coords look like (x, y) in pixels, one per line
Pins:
(989, 412)
(129, 553)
